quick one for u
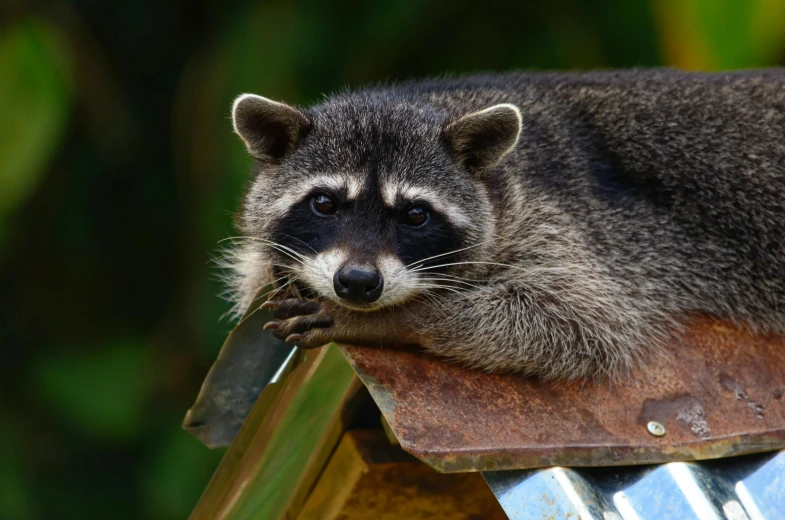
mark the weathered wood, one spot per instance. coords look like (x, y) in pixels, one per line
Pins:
(367, 477)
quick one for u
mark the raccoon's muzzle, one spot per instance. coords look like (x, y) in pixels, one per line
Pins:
(358, 284)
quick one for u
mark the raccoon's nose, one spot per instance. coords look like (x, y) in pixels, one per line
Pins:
(358, 284)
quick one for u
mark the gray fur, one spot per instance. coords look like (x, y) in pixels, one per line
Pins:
(631, 200)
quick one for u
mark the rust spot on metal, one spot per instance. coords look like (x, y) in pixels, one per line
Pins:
(740, 392)
(683, 408)
(718, 390)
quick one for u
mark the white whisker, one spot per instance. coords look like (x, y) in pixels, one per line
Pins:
(301, 240)
(466, 284)
(271, 290)
(291, 253)
(276, 291)
(448, 253)
(539, 269)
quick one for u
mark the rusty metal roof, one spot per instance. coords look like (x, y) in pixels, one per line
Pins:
(717, 392)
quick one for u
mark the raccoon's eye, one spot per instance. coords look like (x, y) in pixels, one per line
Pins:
(416, 216)
(323, 205)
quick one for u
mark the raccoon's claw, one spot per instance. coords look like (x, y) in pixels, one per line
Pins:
(299, 322)
(291, 307)
(299, 325)
(304, 331)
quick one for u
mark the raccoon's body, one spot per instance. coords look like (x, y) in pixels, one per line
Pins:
(557, 225)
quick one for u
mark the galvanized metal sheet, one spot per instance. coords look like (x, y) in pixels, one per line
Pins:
(716, 392)
(248, 360)
(737, 488)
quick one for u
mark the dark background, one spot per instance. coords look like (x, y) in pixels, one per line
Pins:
(119, 174)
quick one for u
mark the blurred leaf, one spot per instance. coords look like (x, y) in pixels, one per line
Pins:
(35, 96)
(767, 34)
(721, 34)
(101, 392)
(16, 499)
(176, 474)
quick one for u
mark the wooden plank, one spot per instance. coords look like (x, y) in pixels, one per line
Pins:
(284, 444)
(368, 477)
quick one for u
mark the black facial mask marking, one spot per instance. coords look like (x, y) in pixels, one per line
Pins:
(365, 228)
(436, 237)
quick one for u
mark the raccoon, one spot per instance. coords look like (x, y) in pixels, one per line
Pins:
(558, 225)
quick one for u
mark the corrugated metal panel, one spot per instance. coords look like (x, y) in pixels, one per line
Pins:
(736, 488)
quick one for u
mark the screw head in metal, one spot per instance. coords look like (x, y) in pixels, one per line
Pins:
(655, 428)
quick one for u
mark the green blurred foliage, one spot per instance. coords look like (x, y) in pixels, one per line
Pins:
(119, 175)
(100, 392)
(722, 34)
(16, 494)
(35, 98)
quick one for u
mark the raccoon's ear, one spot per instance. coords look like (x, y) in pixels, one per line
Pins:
(269, 129)
(479, 140)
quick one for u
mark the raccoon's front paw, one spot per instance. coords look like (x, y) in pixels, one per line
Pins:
(303, 323)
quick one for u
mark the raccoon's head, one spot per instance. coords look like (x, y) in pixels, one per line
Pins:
(367, 199)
